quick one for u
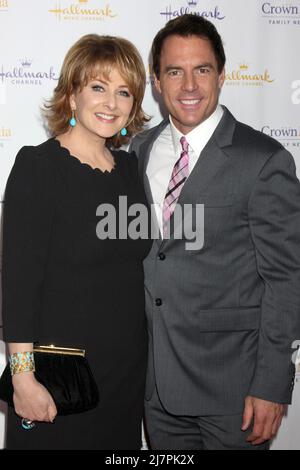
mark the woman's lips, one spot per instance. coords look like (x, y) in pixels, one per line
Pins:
(105, 117)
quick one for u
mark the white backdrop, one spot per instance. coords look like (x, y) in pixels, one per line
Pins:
(262, 86)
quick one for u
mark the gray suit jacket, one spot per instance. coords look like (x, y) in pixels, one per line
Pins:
(222, 319)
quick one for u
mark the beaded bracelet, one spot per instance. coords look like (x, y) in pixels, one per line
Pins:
(21, 362)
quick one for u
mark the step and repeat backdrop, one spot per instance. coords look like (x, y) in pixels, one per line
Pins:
(262, 85)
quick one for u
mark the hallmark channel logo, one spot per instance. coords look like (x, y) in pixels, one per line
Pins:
(82, 10)
(26, 74)
(194, 7)
(280, 13)
(244, 76)
(3, 5)
(288, 136)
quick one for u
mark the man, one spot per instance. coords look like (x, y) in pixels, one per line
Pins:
(222, 317)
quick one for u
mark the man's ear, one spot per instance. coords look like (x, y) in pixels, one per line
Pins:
(157, 84)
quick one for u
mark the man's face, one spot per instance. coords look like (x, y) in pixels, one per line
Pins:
(189, 80)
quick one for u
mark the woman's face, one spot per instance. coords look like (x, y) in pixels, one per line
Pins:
(103, 107)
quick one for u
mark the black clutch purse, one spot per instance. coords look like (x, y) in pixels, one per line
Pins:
(67, 376)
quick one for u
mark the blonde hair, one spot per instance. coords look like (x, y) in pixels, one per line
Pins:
(91, 56)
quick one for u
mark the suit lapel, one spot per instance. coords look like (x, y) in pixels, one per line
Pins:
(210, 162)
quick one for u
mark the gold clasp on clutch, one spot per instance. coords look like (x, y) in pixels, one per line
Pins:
(59, 350)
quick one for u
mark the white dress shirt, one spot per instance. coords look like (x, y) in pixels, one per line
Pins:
(167, 149)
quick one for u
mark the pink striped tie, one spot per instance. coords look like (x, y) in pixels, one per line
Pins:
(179, 175)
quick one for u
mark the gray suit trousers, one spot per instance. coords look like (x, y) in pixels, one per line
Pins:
(169, 432)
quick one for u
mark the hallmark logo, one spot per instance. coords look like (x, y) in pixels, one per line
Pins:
(26, 63)
(82, 10)
(281, 13)
(288, 136)
(244, 77)
(23, 75)
(191, 7)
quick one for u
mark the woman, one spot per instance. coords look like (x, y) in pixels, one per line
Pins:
(62, 284)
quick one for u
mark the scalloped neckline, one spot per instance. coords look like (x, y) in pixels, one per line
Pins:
(83, 164)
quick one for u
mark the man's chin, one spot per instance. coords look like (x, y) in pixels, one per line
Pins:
(188, 126)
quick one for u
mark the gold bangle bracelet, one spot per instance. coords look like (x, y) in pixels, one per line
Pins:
(21, 362)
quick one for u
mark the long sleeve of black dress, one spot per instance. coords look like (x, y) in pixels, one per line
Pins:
(27, 220)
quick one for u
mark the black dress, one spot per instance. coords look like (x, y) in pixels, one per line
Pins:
(62, 285)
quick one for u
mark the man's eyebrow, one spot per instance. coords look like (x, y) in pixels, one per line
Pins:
(178, 67)
(205, 65)
(172, 67)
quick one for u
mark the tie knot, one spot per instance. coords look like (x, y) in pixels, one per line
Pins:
(184, 144)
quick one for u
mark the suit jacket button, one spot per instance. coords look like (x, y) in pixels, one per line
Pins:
(158, 302)
(162, 256)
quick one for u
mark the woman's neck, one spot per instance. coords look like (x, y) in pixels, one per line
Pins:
(88, 148)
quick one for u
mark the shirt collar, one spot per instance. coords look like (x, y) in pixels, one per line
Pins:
(198, 137)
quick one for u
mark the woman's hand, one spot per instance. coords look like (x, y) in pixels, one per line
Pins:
(31, 399)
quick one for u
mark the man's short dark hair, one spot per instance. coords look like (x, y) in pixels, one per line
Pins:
(188, 25)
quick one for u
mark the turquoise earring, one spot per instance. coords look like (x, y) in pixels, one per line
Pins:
(124, 131)
(73, 121)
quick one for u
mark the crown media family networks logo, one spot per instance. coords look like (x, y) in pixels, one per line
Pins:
(281, 13)
(288, 136)
(192, 6)
(86, 10)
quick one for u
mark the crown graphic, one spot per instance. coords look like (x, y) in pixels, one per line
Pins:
(192, 2)
(26, 62)
(244, 66)
(83, 1)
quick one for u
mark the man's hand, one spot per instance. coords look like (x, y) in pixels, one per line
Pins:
(267, 418)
